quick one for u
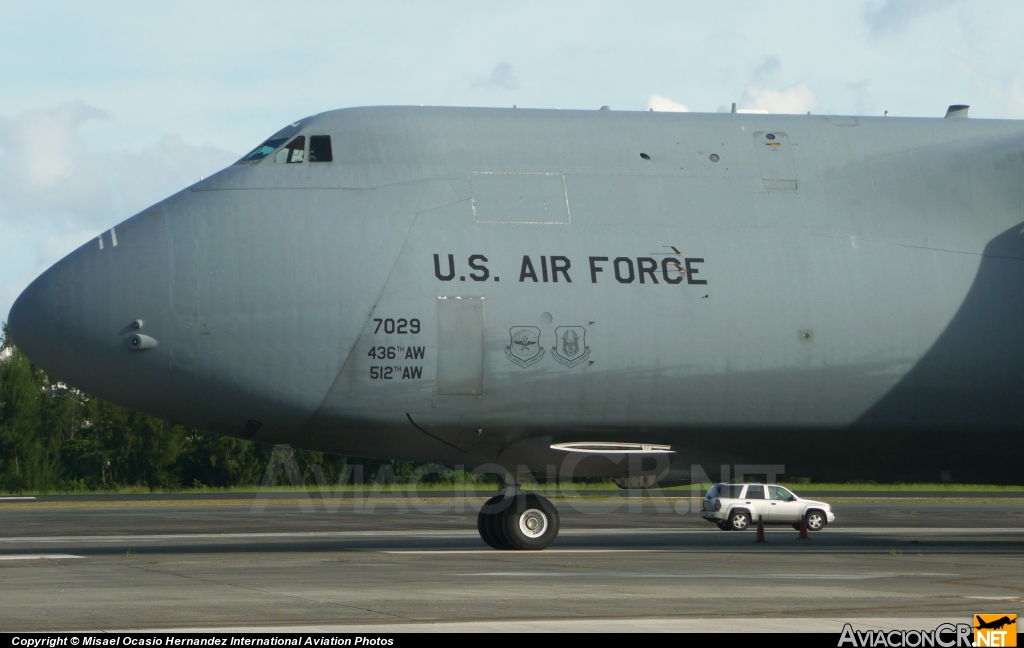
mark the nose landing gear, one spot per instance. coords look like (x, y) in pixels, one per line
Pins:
(517, 520)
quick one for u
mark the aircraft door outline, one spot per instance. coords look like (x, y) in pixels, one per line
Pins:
(775, 158)
(460, 346)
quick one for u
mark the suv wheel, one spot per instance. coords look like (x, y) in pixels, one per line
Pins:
(815, 520)
(739, 520)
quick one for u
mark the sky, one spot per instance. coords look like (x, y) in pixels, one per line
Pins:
(107, 107)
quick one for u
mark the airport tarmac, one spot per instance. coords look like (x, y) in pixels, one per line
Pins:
(392, 565)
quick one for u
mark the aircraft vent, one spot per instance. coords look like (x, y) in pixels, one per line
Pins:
(749, 111)
(611, 447)
(957, 110)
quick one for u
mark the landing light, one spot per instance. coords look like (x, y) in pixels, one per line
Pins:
(139, 342)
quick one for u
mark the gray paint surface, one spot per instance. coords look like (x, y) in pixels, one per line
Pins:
(859, 319)
(460, 346)
(519, 198)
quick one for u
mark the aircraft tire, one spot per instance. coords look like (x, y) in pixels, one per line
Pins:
(531, 523)
(496, 529)
(495, 521)
(483, 521)
(491, 522)
(724, 526)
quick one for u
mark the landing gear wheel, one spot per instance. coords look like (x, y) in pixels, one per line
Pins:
(739, 521)
(496, 524)
(724, 526)
(815, 520)
(531, 523)
(487, 511)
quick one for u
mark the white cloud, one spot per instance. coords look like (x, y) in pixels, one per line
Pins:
(862, 99)
(1012, 94)
(892, 16)
(794, 99)
(657, 103)
(46, 166)
(502, 77)
(1003, 92)
(768, 68)
(57, 190)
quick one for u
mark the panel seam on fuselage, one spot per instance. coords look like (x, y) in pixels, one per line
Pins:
(384, 286)
(916, 247)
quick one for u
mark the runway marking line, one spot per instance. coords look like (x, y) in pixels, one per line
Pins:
(737, 624)
(417, 552)
(710, 576)
(458, 533)
(40, 557)
(17, 499)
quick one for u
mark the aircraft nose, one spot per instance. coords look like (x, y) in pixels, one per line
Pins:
(78, 320)
(34, 321)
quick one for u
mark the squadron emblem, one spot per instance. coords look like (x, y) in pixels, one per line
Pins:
(524, 348)
(570, 345)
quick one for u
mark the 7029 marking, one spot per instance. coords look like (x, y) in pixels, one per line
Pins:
(400, 326)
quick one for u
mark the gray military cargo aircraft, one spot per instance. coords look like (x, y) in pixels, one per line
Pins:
(601, 293)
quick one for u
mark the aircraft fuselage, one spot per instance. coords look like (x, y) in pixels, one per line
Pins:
(840, 295)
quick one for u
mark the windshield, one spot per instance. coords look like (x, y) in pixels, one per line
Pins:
(272, 144)
(263, 150)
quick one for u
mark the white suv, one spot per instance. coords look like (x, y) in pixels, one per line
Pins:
(737, 506)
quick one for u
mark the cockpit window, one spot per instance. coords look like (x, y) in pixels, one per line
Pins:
(263, 150)
(273, 143)
(320, 148)
(293, 153)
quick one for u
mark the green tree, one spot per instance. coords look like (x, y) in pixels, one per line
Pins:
(53, 436)
(28, 460)
(214, 460)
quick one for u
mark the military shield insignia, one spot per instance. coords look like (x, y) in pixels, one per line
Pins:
(524, 348)
(570, 345)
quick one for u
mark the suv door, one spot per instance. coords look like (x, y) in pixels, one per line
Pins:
(755, 500)
(785, 507)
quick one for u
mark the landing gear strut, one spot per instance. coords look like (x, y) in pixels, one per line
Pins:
(517, 520)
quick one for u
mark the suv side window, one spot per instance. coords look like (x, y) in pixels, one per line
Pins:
(730, 491)
(779, 493)
(755, 492)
